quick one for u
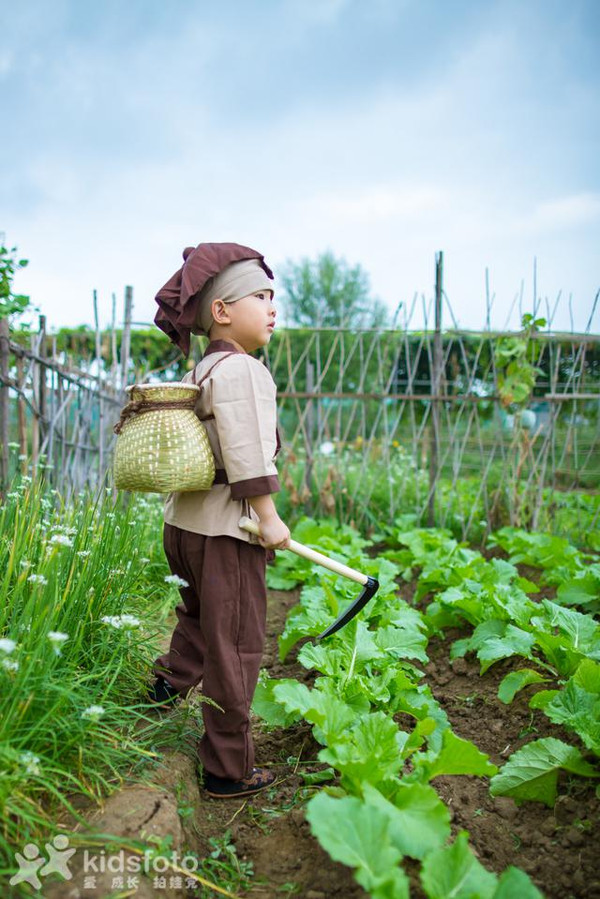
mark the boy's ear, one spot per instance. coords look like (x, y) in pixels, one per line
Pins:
(220, 312)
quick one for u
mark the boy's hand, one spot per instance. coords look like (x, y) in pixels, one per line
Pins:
(274, 533)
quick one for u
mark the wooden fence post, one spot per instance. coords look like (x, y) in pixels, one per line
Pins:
(436, 384)
(22, 416)
(42, 396)
(4, 402)
(126, 337)
(309, 432)
(100, 385)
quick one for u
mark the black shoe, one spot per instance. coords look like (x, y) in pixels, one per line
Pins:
(222, 788)
(162, 692)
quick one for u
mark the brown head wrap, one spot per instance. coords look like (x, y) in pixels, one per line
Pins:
(179, 300)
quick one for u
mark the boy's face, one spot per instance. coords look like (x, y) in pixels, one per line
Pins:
(252, 320)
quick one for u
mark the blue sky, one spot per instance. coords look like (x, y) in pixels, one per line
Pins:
(383, 131)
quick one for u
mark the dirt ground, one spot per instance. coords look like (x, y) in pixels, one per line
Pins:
(557, 847)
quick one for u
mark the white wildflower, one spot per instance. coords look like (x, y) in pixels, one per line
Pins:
(119, 621)
(13, 445)
(7, 645)
(93, 712)
(12, 495)
(60, 540)
(84, 553)
(37, 579)
(57, 638)
(175, 579)
(10, 664)
(30, 762)
(25, 563)
(22, 457)
(145, 561)
(26, 479)
(110, 516)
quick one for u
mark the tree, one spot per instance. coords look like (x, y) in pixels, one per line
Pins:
(326, 292)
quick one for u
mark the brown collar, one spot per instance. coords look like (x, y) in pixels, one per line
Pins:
(220, 346)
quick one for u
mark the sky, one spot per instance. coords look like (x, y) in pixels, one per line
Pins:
(381, 130)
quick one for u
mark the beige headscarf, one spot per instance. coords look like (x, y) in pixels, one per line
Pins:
(239, 279)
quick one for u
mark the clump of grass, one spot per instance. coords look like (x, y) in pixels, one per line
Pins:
(82, 602)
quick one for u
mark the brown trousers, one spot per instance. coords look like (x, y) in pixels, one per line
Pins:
(219, 639)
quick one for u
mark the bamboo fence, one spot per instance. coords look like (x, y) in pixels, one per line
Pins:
(374, 424)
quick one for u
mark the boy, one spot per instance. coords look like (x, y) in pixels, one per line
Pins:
(225, 292)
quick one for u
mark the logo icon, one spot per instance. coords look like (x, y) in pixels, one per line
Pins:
(31, 861)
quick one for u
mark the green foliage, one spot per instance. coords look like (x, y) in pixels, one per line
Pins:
(223, 868)
(366, 676)
(577, 705)
(515, 370)
(10, 303)
(515, 681)
(531, 773)
(357, 834)
(80, 617)
(418, 819)
(328, 293)
(454, 871)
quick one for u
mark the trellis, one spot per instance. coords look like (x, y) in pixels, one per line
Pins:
(60, 416)
(375, 424)
(450, 427)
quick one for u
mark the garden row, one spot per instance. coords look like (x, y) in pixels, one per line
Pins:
(383, 807)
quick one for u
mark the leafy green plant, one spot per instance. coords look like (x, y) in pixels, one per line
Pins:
(531, 773)
(224, 869)
(10, 303)
(515, 368)
(385, 807)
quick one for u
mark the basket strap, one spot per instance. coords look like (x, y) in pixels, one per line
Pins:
(214, 365)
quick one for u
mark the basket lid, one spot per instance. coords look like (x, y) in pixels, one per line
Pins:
(164, 385)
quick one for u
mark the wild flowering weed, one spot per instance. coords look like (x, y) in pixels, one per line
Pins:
(93, 712)
(121, 621)
(175, 579)
(57, 639)
(73, 594)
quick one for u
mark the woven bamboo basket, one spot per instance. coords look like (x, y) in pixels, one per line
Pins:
(159, 450)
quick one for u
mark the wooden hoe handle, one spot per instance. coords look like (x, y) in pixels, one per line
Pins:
(312, 555)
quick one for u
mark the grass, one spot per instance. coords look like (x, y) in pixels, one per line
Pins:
(83, 604)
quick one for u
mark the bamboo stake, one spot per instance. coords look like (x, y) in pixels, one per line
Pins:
(4, 403)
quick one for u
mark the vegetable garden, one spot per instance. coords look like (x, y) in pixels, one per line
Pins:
(445, 743)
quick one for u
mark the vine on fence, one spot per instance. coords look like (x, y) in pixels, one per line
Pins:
(514, 360)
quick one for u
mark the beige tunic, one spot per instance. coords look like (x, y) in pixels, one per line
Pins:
(238, 405)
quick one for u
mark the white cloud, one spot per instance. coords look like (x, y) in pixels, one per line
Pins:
(563, 213)
(373, 204)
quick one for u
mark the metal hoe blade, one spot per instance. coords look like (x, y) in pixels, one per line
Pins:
(371, 588)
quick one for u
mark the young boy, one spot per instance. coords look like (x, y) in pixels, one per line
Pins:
(224, 291)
